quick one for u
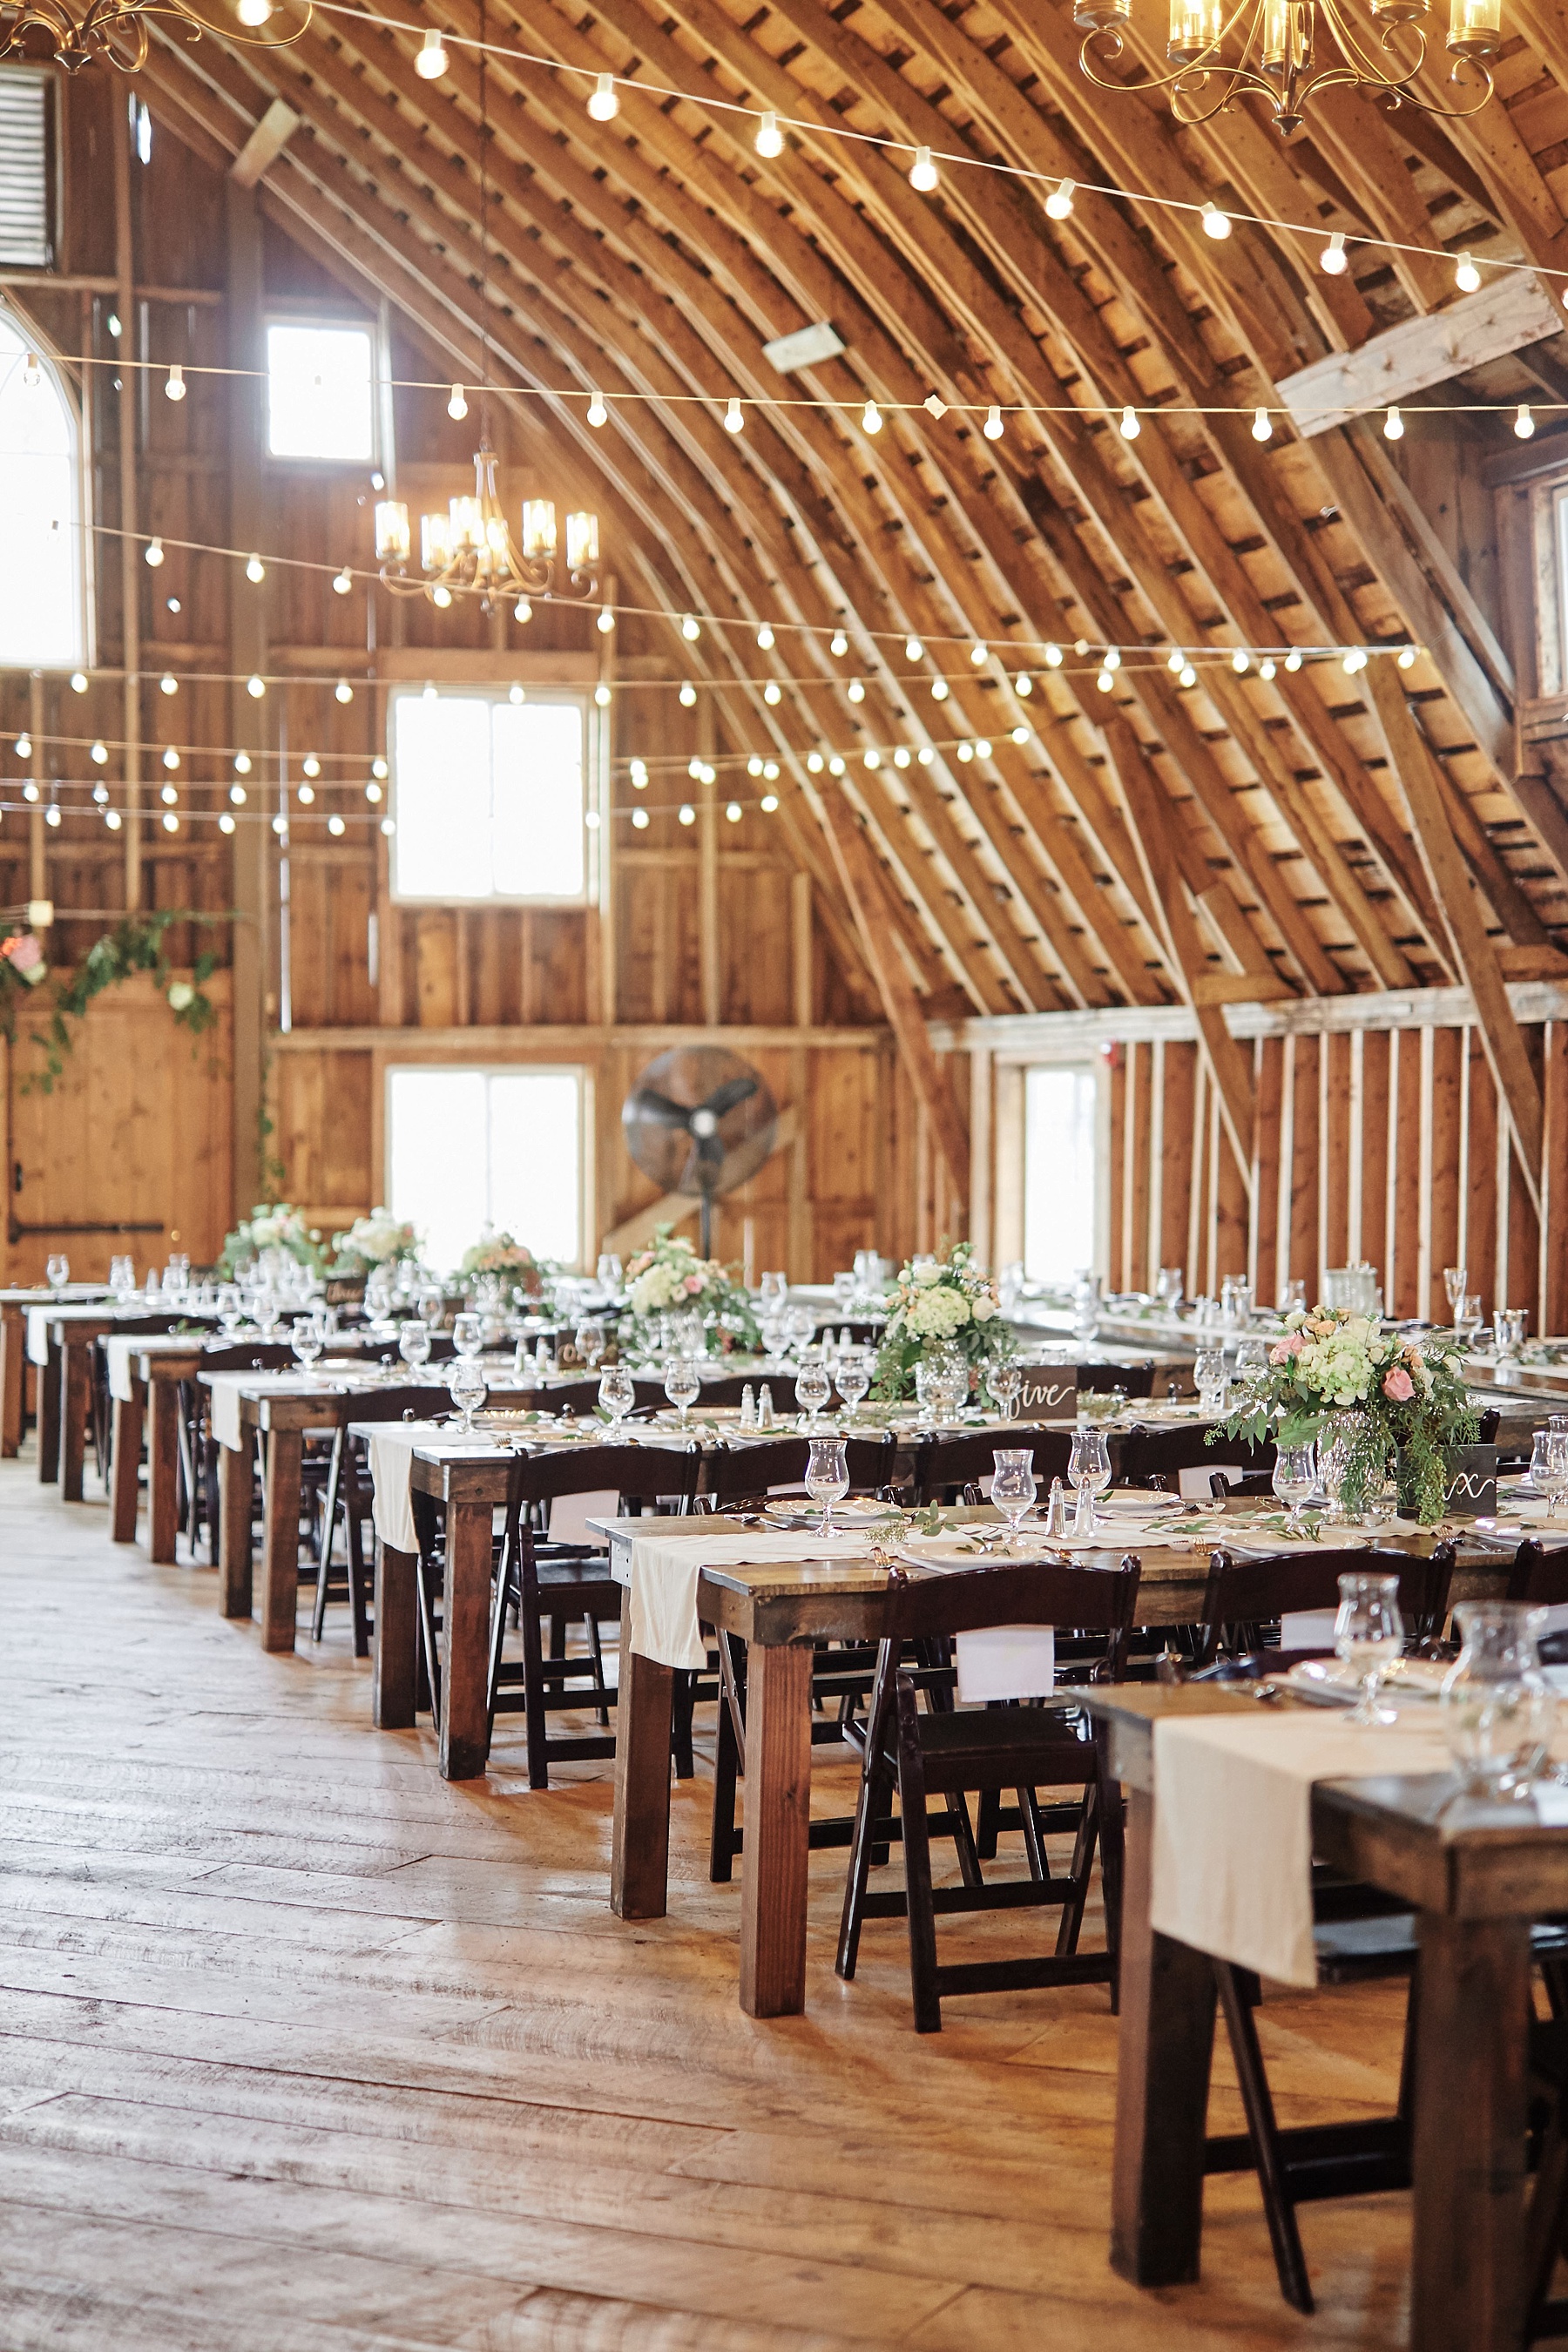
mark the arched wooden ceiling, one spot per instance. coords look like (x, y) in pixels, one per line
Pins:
(1311, 835)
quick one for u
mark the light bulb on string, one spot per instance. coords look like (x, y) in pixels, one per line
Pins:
(342, 691)
(925, 755)
(171, 758)
(687, 814)
(174, 382)
(1292, 661)
(982, 747)
(913, 649)
(169, 796)
(1333, 260)
(1466, 277)
(1524, 423)
(857, 691)
(1058, 203)
(734, 416)
(169, 683)
(1112, 659)
(256, 570)
(237, 794)
(924, 177)
(1265, 670)
(343, 580)
(1054, 656)
(1104, 680)
(765, 639)
(111, 819)
(640, 819)
(79, 681)
(602, 696)
(814, 762)
(457, 404)
(603, 99)
(1217, 223)
(1262, 425)
(870, 418)
(688, 695)
(1240, 662)
(1175, 660)
(336, 825)
(24, 747)
(1130, 427)
(154, 555)
(312, 766)
(1406, 656)
(938, 690)
(1020, 734)
(307, 795)
(30, 792)
(522, 610)
(606, 622)
(372, 794)
(516, 693)
(598, 414)
(966, 752)
(1189, 676)
(441, 597)
(389, 826)
(1393, 425)
(378, 770)
(226, 823)
(52, 814)
(838, 643)
(255, 686)
(99, 754)
(431, 62)
(992, 427)
(979, 654)
(772, 693)
(770, 138)
(101, 794)
(768, 802)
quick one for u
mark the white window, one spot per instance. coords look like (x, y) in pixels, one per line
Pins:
(24, 99)
(1061, 1170)
(42, 605)
(320, 392)
(471, 1147)
(488, 796)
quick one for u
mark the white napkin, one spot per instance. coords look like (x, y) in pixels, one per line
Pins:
(38, 1333)
(226, 1388)
(1233, 1834)
(121, 1378)
(662, 1619)
(1006, 1661)
(391, 1473)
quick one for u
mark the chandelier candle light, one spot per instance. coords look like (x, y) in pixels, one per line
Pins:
(469, 550)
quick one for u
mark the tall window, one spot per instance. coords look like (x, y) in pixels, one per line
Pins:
(465, 1146)
(320, 392)
(488, 796)
(43, 622)
(1061, 1125)
(26, 125)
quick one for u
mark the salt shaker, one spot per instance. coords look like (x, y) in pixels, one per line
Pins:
(765, 1407)
(1057, 1513)
(748, 1407)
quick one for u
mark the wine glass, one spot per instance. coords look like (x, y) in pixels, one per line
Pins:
(844, 1292)
(1088, 1470)
(467, 1334)
(1368, 1635)
(774, 1289)
(827, 1477)
(1295, 1479)
(467, 1387)
(1209, 1372)
(812, 1388)
(607, 1273)
(58, 1271)
(122, 1279)
(1252, 1363)
(1468, 1317)
(1012, 1486)
(1455, 1281)
(414, 1344)
(852, 1376)
(1005, 1383)
(230, 1310)
(305, 1339)
(267, 1311)
(589, 1340)
(618, 1392)
(682, 1385)
(800, 1329)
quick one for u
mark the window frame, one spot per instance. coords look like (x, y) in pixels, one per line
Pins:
(42, 346)
(54, 163)
(326, 319)
(401, 1059)
(492, 694)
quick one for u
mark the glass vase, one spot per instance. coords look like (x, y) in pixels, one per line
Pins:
(1349, 1465)
(1497, 1709)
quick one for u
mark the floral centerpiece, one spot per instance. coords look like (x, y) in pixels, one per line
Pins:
(946, 1302)
(273, 1226)
(514, 1266)
(672, 1279)
(1378, 1401)
(376, 1240)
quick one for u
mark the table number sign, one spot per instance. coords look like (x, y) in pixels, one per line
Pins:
(1469, 1481)
(1048, 1395)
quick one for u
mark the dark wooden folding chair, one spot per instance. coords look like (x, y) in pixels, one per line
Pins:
(1538, 1576)
(943, 1751)
(344, 1487)
(538, 1578)
(1244, 1595)
(1134, 1379)
(944, 1466)
(1157, 1458)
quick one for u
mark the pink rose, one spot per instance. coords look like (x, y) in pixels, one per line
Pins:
(693, 1285)
(1287, 1348)
(1398, 1385)
(25, 951)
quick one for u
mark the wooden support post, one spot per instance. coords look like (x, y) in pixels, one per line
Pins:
(861, 877)
(248, 657)
(639, 1850)
(125, 1454)
(395, 1648)
(162, 1470)
(778, 1822)
(130, 564)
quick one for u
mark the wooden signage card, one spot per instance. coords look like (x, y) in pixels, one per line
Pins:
(1469, 1481)
(1049, 1392)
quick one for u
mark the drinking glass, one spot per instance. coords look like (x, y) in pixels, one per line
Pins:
(827, 1477)
(1209, 1372)
(122, 1278)
(618, 1392)
(1084, 1309)
(844, 1292)
(1295, 1478)
(1455, 1281)
(1368, 1635)
(1549, 1467)
(1468, 1317)
(1004, 1383)
(925, 1391)
(800, 1329)
(433, 1305)
(414, 1344)
(1088, 1470)
(176, 1275)
(230, 1311)
(589, 1340)
(305, 1339)
(950, 1387)
(682, 1385)
(852, 1376)
(1012, 1486)
(1252, 1363)
(1497, 1710)
(1507, 1327)
(1292, 1293)
(266, 1310)
(774, 1289)
(467, 1334)
(467, 1387)
(1168, 1287)
(608, 1272)
(812, 1388)
(58, 1271)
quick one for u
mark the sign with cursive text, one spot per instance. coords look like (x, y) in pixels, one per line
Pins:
(1048, 1393)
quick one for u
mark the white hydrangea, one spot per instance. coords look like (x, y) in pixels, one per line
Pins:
(938, 1312)
(656, 1290)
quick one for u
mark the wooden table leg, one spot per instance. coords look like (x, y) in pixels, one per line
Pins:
(396, 1640)
(49, 1417)
(74, 1383)
(778, 1817)
(466, 1626)
(236, 1478)
(1164, 2053)
(281, 1538)
(163, 1471)
(1467, 2162)
(13, 1378)
(639, 1853)
(125, 1452)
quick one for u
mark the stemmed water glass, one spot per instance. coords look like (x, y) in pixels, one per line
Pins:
(618, 1392)
(682, 1385)
(1294, 1480)
(1468, 1317)
(1252, 1363)
(852, 1375)
(305, 1339)
(467, 1334)
(1455, 1281)
(1549, 1467)
(1208, 1374)
(774, 1290)
(1005, 1383)
(122, 1279)
(1012, 1486)
(467, 1387)
(1088, 1470)
(589, 1340)
(58, 1271)
(1368, 1635)
(414, 1344)
(812, 1388)
(827, 1477)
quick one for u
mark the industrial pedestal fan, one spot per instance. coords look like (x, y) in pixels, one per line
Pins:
(700, 1121)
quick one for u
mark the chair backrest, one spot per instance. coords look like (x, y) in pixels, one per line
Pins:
(1538, 1576)
(248, 1356)
(643, 1474)
(415, 1404)
(1031, 1592)
(1151, 1454)
(944, 1462)
(736, 1473)
(1240, 1482)
(1132, 1379)
(1255, 1591)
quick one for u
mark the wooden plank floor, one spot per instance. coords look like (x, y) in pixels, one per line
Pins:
(304, 2052)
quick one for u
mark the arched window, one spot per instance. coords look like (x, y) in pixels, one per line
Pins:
(43, 608)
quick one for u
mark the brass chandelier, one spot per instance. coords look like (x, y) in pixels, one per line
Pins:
(1285, 51)
(115, 32)
(469, 550)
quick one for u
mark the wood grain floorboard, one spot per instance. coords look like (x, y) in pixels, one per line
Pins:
(302, 2049)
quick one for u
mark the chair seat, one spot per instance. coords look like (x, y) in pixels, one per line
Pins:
(580, 1577)
(1010, 1746)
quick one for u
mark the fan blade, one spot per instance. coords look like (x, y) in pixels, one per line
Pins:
(656, 1109)
(731, 1093)
(710, 1152)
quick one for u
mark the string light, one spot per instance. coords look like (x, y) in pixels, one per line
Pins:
(1466, 277)
(1265, 670)
(604, 100)
(768, 802)
(24, 746)
(312, 766)
(343, 580)
(938, 690)
(1262, 425)
(1130, 428)
(639, 818)
(242, 763)
(154, 555)
(688, 695)
(602, 696)
(171, 758)
(458, 404)
(256, 570)
(336, 825)
(597, 412)
(606, 622)
(979, 655)
(857, 691)
(870, 418)
(765, 638)
(923, 175)
(1058, 203)
(1333, 260)
(431, 62)
(1524, 423)
(1292, 660)
(1393, 425)
(255, 686)
(111, 819)
(687, 814)
(838, 643)
(1104, 681)
(174, 382)
(1217, 223)
(522, 610)
(734, 421)
(770, 138)
(226, 823)
(1240, 662)
(169, 683)
(1189, 676)
(342, 691)
(1406, 656)
(689, 629)
(99, 754)
(992, 427)
(79, 681)
(771, 694)
(1053, 656)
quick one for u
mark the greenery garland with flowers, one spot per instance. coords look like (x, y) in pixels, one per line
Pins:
(379, 1239)
(1408, 1398)
(948, 1302)
(670, 1279)
(135, 944)
(510, 1261)
(271, 1225)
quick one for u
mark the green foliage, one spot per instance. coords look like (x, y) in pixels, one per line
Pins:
(134, 945)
